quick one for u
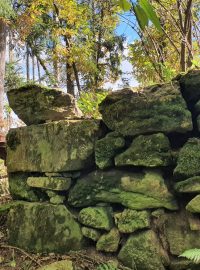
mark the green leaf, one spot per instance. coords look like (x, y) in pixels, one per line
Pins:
(192, 254)
(141, 16)
(151, 14)
(125, 5)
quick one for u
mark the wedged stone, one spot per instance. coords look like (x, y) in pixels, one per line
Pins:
(97, 217)
(109, 242)
(188, 160)
(107, 148)
(53, 147)
(191, 185)
(182, 264)
(137, 191)
(57, 199)
(91, 233)
(36, 104)
(130, 221)
(159, 108)
(60, 265)
(194, 205)
(52, 183)
(142, 251)
(147, 150)
(42, 227)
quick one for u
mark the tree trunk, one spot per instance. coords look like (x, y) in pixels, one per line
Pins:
(11, 48)
(69, 79)
(39, 73)
(27, 64)
(3, 35)
(33, 66)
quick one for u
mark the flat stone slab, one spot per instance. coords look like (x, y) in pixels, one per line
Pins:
(52, 183)
(60, 265)
(191, 185)
(159, 108)
(54, 147)
(194, 205)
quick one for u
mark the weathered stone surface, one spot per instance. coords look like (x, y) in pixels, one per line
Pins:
(109, 242)
(53, 183)
(142, 250)
(60, 265)
(188, 160)
(35, 104)
(91, 233)
(41, 227)
(182, 264)
(53, 147)
(20, 190)
(194, 205)
(107, 148)
(130, 220)
(97, 217)
(191, 185)
(158, 108)
(147, 150)
(133, 190)
(57, 199)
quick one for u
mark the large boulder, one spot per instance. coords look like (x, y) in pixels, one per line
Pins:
(133, 190)
(41, 227)
(147, 150)
(53, 147)
(36, 104)
(159, 108)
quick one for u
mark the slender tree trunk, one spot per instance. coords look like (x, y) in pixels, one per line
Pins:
(69, 79)
(3, 35)
(33, 66)
(27, 63)
(11, 48)
(39, 74)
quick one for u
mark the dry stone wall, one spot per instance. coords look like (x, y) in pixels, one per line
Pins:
(128, 184)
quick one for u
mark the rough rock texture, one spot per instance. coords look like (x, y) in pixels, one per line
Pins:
(35, 104)
(53, 183)
(97, 217)
(60, 265)
(130, 221)
(191, 185)
(159, 108)
(194, 205)
(142, 250)
(57, 199)
(188, 160)
(109, 242)
(107, 148)
(133, 190)
(149, 151)
(91, 233)
(41, 227)
(53, 147)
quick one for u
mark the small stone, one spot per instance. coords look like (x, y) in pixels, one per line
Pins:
(97, 217)
(148, 151)
(109, 242)
(191, 185)
(91, 233)
(60, 265)
(52, 183)
(194, 205)
(130, 220)
(58, 199)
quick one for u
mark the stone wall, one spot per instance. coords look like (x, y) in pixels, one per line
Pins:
(128, 184)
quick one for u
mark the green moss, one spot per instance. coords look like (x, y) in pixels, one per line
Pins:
(191, 185)
(60, 265)
(91, 233)
(52, 183)
(194, 205)
(109, 242)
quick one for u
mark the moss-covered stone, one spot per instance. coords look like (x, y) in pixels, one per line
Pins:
(109, 242)
(52, 183)
(107, 148)
(191, 185)
(35, 104)
(91, 233)
(60, 265)
(147, 150)
(137, 191)
(57, 199)
(97, 217)
(130, 220)
(42, 227)
(159, 108)
(188, 160)
(194, 205)
(142, 251)
(53, 147)
(183, 264)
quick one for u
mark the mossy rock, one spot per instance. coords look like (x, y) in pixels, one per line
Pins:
(191, 185)
(194, 205)
(148, 151)
(36, 104)
(107, 148)
(144, 190)
(42, 227)
(91, 233)
(109, 242)
(188, 160)
(142, 251)
(130, 221)
(159, 108)
(97, 217)
(52, 183)
(57, 199)
(60, 265)
(53, 147)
